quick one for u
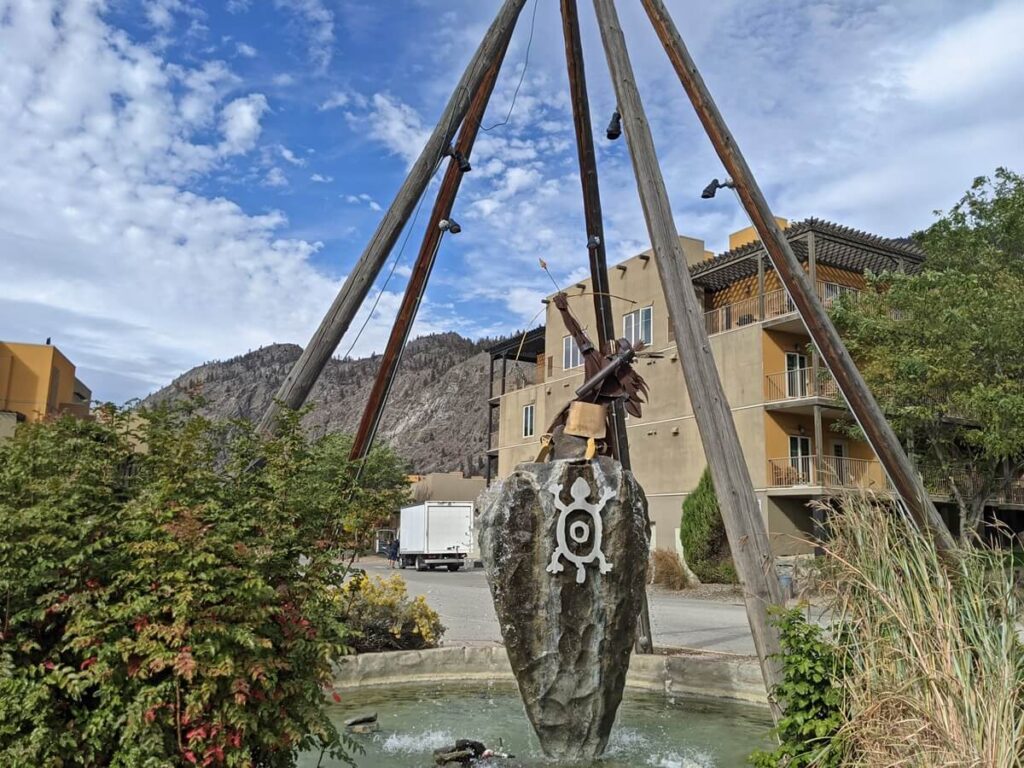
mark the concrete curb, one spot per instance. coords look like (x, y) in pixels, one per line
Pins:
(719, 676)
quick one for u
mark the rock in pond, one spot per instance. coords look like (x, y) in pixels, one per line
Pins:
(565, 549)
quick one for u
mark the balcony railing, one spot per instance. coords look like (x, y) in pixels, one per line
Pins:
(829, 472)
(776, 304)
(799, 383)
(867, 474)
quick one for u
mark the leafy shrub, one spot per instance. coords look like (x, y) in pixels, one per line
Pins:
(170, 606)
(810, 696)
(667, 570)
(383, 618)
(702, 534)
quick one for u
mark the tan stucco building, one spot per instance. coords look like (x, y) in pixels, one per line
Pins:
(37, 382)
(783, 402)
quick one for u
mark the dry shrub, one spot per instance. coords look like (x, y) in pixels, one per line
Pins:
(934, 661)
(667, 570)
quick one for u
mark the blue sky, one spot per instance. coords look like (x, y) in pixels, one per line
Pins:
(182, 181)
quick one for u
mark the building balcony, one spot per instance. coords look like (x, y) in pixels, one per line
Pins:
(799, 390)
(800, 384)
(801, 473)
(769, 306)
(517, 375)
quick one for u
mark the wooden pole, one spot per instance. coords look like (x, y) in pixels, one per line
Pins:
(307, 369)
(417, 284)
(743, 522)
(596, 248)
(862, 404)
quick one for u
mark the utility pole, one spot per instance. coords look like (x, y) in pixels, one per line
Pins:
(596, 249)
(417, 284)
(865, 409)
(307, 369)
(748, 536)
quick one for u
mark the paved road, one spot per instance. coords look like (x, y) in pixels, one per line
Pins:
(464, 603)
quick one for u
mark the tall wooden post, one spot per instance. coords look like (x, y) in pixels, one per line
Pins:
(596, 247)
(307, 369)
(865, 409)
(417, 284)
(743, 522)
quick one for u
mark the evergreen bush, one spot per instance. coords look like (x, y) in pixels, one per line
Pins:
(702, 534)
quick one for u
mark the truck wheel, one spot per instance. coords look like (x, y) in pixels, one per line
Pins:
(420, 565)
(454, 567)
(401, 562)
(432, 567)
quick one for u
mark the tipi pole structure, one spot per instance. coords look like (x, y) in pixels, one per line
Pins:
(307, 369)
(595, 246)
(862, 404)
(743, 522)
(417, 284)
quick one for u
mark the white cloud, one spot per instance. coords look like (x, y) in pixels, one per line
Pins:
(970, 58)
(320, 179)
(290, 156)
(240, 123)
(394, 124)
(275, 178)
(318, 28)
(335, 100)
(134, 275)
(282, 80)
(246, 50)
(363, 199)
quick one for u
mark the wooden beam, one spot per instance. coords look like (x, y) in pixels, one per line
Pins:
(862, 404)
(745, 527)
(307, 369)
(596, 248)
(417, 285)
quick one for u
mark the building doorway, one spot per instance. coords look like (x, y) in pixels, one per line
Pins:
(796, 375)
(800, 459)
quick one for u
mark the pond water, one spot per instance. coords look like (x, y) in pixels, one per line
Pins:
(651, 730)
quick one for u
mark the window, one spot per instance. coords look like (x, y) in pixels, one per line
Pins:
(571, 357)
(637, 325)
(528, 420)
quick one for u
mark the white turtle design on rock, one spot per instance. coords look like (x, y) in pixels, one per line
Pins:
(579, 530)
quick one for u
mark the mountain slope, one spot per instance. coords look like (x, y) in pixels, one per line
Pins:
(436, 416)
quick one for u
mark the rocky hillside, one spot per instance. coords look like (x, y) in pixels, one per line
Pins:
(436, 417)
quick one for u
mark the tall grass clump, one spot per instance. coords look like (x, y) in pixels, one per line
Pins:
(667, 570)
(933, 662)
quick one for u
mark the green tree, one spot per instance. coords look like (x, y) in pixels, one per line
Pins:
(170, 606)
(361, 497)
(702, 534)
(941, 348)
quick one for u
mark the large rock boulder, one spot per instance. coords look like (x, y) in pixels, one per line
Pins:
(565, 548)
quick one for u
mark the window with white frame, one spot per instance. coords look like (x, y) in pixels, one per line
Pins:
(528, 411)
(638, 325)
(571, 357)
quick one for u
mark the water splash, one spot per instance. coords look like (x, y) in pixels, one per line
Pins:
(416, 743)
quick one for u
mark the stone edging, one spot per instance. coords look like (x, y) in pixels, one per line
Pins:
(719, 676)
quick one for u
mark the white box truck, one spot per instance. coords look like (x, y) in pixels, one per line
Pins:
(435, 533)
